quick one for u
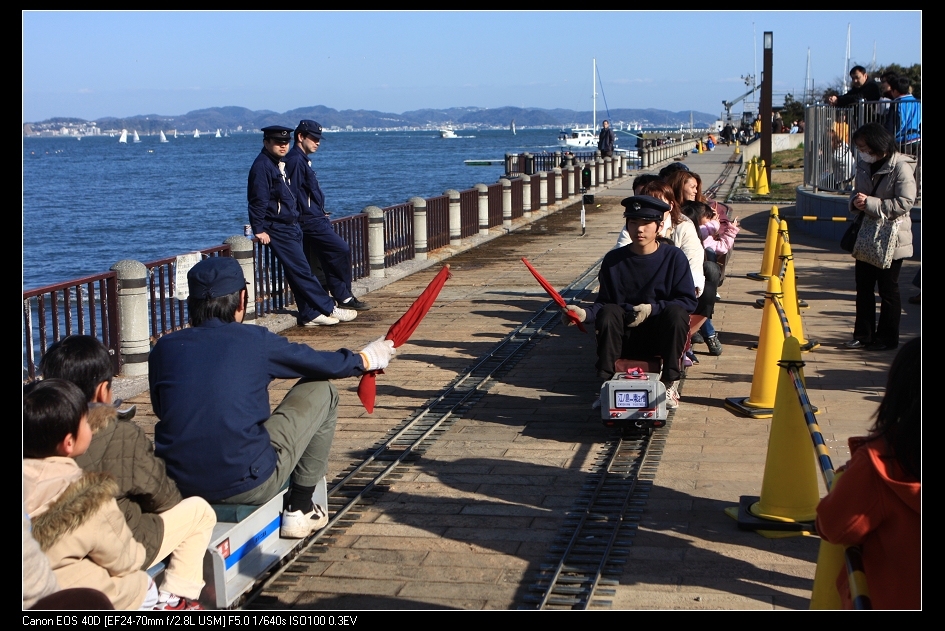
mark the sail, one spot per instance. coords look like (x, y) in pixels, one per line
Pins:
(136, 137)
(163, 137)
(196, 134)
(513, 126)
(218, 134)
(124, 136)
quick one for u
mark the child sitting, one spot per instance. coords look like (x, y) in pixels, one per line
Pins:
(877, 502)
(158, 517)
(76, 520)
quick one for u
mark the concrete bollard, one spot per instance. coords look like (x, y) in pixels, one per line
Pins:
(554, 186)
(506, 203)
(608, 169)
(556, 160)
(456, 217)
(375, 240)
(134, 330)
(419, 227)
(543, 189)
(527, 196)
(483, 208)
(241, 249)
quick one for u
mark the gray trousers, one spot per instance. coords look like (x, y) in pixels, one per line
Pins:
(300, 430)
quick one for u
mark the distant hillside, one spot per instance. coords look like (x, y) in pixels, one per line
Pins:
(232, 118)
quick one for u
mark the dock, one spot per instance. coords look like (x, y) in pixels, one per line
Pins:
(469, 523)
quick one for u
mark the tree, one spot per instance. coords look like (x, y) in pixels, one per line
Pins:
(792, 110)
(913, 73)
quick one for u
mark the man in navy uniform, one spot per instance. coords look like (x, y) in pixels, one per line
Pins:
(645, 298)
(274, 217)
(318, 236)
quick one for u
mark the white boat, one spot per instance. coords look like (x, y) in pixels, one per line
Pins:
(512, 126)
(175, 134)
(124, 136)
(578, 137)
(447, 132)
(196, 134)
(136, 139)
(163, 137)
(218, 134)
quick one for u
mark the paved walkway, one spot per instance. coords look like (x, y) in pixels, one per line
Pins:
(469, 524)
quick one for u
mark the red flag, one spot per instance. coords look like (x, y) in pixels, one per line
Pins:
(401, 331)
(554, 294)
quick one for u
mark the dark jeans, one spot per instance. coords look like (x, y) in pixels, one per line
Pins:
(890, 309)
(663, 335)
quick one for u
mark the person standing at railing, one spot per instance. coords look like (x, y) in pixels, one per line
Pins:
(904, 119)
(607, 140)
(318, 236)
(274, 217)
(863, 88)
(877, 502)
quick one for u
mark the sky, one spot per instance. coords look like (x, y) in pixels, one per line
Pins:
(95, 64)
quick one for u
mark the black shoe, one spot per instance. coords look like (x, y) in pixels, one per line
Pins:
(854, 344)
(354, 303)
(881, 346)
(697, 338)
(715, 347)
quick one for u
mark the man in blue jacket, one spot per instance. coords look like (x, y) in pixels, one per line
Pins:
(904, 119)
(209, 388)
(645, 298)
(318, 236)
(274, 217)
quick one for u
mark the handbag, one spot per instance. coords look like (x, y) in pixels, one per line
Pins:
(876, 241)
(848, 240)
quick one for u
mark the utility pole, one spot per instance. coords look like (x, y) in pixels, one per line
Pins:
(766, 102)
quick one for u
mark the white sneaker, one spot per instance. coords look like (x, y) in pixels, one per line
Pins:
(298, 525)
(672, 396)
(344, 315)
(322, 320)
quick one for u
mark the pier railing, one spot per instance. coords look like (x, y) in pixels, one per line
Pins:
(145, 294)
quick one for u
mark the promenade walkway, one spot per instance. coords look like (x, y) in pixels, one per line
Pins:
(472, 520)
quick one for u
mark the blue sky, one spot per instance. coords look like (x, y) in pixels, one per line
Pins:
(95, 64)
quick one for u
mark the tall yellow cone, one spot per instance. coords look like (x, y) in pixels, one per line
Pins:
(750, 174)
(771, 247)
(789, 490)
(700, 145)
(761, 188)
(764, 382)
(830, 563)
(789, 287)
(737, 150)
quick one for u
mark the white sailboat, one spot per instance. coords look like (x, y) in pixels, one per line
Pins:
(136, 139)
(196, 134)
(583, 136)
(218, 134)
(163, 137)
(124, 136)
(512, 126)
(175, 134)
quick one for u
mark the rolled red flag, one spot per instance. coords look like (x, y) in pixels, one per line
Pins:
(554, 294)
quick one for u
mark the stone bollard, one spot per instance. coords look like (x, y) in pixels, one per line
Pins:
(554, 186)
(375, 240)
(556, 160)
(608, 169)
(134, 328)
(529, 168)
(483, 208)
(506, 203)
(419, 227)
(456, 217)
(543, 189)
(241, 249)
(527, 196)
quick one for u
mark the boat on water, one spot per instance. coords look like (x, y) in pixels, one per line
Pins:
(163, 137)
(512, 126)
(124, 136)
(218, 134)
(578, 137)
(196, 134)
(448, 132)
(136, 139)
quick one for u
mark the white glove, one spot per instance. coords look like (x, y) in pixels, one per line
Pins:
(377, 354)
(579, 312)
(642, 313)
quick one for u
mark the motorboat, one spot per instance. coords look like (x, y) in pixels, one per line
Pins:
(578, 137)
(447, 132)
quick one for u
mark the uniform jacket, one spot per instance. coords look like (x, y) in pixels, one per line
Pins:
(658, 279)
(210, 390)
(77, 523)
(893, 198)
(606, 140)
(877, 505)
(144, 490)
(270, 196)
(684, 237)
(304, 185)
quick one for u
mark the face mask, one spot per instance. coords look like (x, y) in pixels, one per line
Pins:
(867, 158)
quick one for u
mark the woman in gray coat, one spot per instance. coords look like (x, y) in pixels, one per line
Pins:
(885, 187)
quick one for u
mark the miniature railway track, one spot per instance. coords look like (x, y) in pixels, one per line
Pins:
(386, 461)
(594, 542)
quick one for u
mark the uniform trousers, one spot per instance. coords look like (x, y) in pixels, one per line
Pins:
(333, 252)
(664, 334)
(310, 297)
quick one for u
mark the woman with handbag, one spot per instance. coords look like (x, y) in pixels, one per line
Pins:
(884, 194)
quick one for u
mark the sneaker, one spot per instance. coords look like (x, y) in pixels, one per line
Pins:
(672, 395)
(298, 525)
(173, 602)
(343, 315)
(697, 338)
(715, 347)
(354, 303)
(322, 320)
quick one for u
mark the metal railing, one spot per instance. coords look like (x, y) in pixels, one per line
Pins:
(518, 198)
(469, 212)
(272, 292)
(438, 222)
(829, 152)
(85, 306)
(495, 205)
(398, 234)
(354, 231)
(536, 191)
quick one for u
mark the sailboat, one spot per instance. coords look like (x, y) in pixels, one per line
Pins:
(196, 134)
(583, 136)
(124, 136)
(175, 134)
(218, 134)
(163, 137)
(512, 126)
(136, 139)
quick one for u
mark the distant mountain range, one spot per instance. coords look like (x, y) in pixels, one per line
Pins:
(233, 118)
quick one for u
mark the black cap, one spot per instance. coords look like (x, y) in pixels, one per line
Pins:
(672, 168)
(309, 128)
(277, 132)
(214, 277)
(644, 207)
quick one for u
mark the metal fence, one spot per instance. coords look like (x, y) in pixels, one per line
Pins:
(398, 234)
(829, 152)
(438, 222)
(354, 231)
(495, 205)
(469, 213)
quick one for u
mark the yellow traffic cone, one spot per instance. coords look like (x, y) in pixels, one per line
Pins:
(761, 188)
(771, 248)
(750, 174)
(789, 287)
(737, 150)
(830, 563)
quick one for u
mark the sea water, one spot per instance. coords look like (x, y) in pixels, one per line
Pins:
(91, 202)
